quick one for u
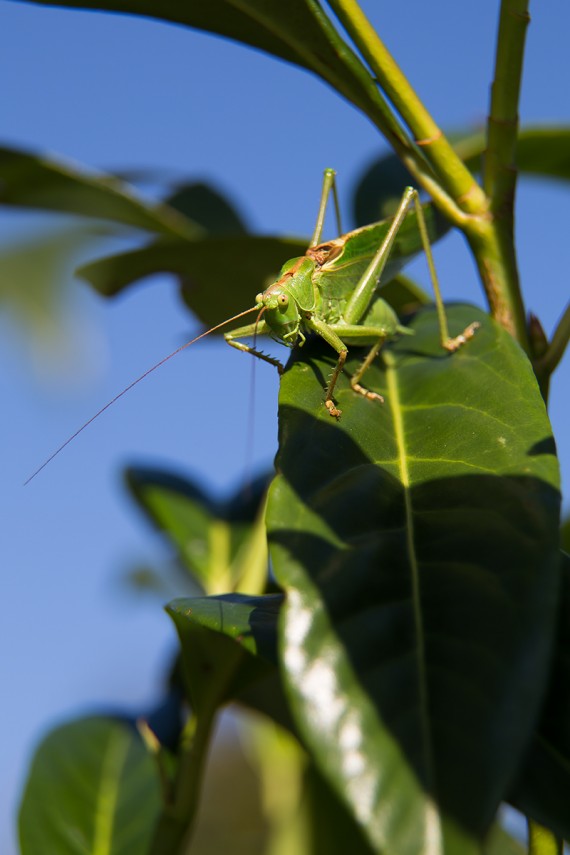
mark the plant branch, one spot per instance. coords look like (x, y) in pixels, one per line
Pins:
(175, 822)
(499, 177)
(547, 364)
(370, 100)
(449, 171)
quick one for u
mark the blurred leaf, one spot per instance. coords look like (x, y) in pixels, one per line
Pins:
(204, 205)
(210, 537)
(220, 276)
(38, 181)
(404, 295)
(542, 790)
(565, 535)
(540, 151)
(227, 642)
(500, 842)
(35, 276)
(417, 546)
(298, 31)
(92, 790)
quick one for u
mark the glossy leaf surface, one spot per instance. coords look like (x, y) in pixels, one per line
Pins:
(30, 180)
(417, 545)
(92, 790)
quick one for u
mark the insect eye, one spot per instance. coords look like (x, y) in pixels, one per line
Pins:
(283, 299)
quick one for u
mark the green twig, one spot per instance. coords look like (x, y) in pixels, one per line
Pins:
(548, 362)
(178, 814)
(450, 172)
(499, 176)
(363, 91)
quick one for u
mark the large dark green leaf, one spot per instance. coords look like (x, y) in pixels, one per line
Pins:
(209, 535)
(92, 790)
(298, 31)
(37, 181)
(417, 545)
(543, 787)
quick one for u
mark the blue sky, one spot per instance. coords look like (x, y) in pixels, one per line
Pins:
(121, 93)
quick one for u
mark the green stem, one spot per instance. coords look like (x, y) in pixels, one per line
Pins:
(547, 364)
(361, 90)
(449, 170)
(175, 823)
(499, 177)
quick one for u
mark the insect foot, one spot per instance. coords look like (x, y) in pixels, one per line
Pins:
(453, 344)
(333, 410)
(372, 396)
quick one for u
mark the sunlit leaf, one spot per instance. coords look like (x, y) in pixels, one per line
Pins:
(92, 790)
(417, 545)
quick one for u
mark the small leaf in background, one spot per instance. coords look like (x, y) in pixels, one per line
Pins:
(35, 278)
(417, 625)
(39, 182)
(227, 643)
(542, 152)
(92, 790)
(204, 205)
(219, 276)
(211, 537)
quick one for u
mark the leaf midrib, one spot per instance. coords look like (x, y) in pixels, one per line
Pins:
(395, 404)
(108, 796)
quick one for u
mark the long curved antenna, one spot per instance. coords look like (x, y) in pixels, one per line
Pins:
(134, 383)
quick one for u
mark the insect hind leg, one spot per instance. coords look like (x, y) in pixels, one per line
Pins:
(358, 374)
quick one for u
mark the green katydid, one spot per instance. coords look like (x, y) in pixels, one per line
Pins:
(317, 294)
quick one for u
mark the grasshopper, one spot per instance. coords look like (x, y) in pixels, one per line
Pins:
(315, 294)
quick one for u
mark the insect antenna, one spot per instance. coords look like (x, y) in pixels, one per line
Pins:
(250, 431)
(133, 384)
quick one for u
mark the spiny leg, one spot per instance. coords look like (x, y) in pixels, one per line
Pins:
(261, 328)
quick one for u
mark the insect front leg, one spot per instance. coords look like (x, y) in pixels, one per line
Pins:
(250, 331)
(327, 333)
